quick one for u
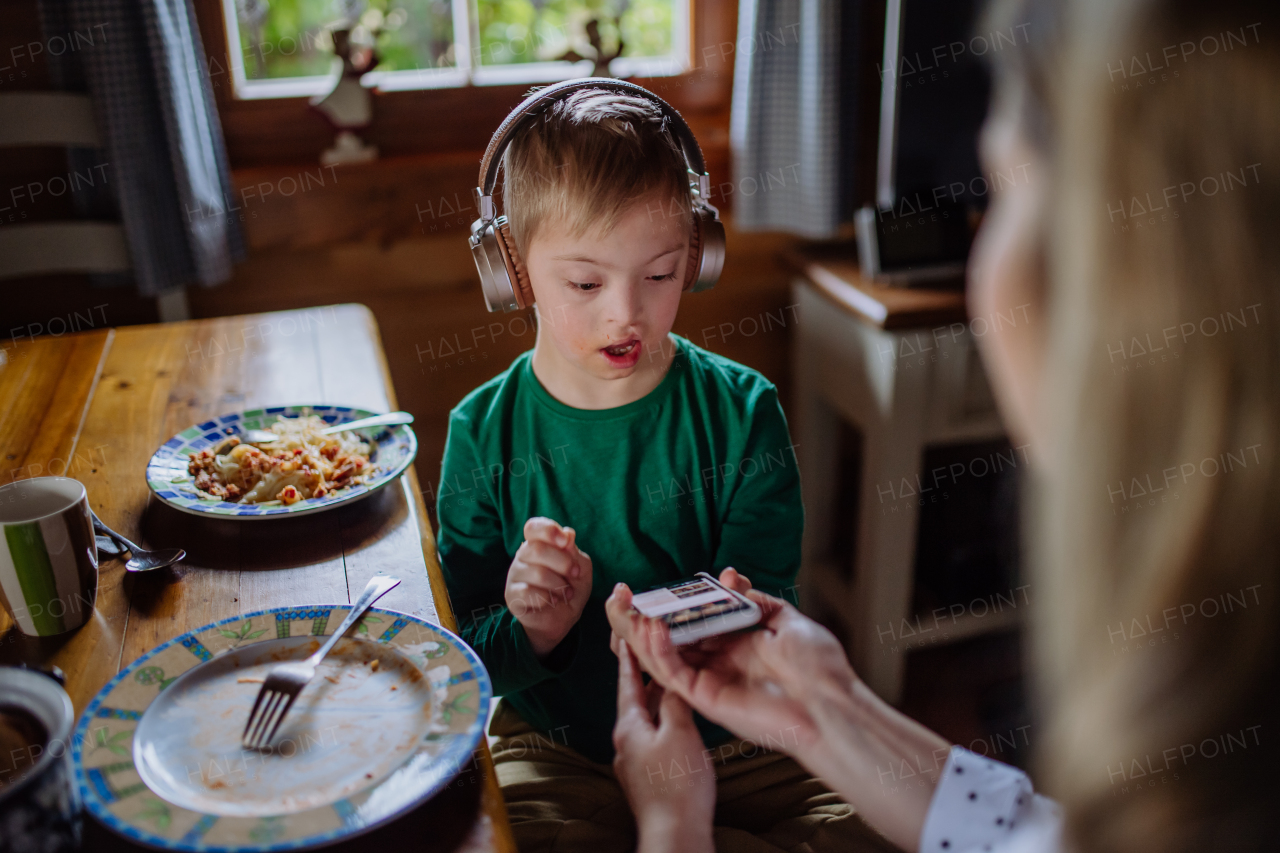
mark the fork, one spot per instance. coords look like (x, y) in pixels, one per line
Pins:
(263, 436)
(285, 682)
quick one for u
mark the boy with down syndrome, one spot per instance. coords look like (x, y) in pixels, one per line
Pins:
(613, 452)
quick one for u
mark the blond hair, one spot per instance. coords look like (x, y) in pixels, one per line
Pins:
(1159, 732)
(586, 159)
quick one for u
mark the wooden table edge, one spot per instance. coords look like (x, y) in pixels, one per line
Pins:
(93, 388)
(492, 802)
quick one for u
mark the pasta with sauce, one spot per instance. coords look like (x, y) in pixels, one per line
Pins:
(301, 464)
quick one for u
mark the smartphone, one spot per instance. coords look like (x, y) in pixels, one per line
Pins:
(698, 608)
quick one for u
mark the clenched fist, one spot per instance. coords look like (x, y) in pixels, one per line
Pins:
(548, 583)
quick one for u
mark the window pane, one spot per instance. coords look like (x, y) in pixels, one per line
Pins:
(515, 31)
(290, 38)
(414, 34)
(284, 38)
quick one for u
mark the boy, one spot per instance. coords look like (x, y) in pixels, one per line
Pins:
(613, 451)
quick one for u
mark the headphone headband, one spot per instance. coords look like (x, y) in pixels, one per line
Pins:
(527, 111)
(503, 275)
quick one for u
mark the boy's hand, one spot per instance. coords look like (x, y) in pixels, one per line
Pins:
(548, 584)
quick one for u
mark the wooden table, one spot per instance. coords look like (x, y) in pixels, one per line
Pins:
(96, 405)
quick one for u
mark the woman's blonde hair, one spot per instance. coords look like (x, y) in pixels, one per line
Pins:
(1155, 529)
(586, 159)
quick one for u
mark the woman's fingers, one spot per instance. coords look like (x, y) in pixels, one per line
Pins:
(629, 683)
(734, 580)
(633, 714)
(618, 609)
(674, 712)
(653, 694)
(732, 686)
(660, 657)
(748, 682)
(794, 652)
(621, 595)
(666, 705)
(637, 637)
(707, 677)
(769, 606)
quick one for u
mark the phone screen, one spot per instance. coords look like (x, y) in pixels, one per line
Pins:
(688, 602)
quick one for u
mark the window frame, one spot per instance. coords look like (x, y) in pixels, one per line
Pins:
(267, 131)
(465, 73)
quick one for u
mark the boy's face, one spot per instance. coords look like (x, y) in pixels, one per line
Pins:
(605, 299)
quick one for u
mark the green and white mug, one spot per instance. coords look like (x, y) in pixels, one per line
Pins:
(48, 556)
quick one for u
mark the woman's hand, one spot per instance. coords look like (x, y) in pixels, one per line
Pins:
(753, 683)
(788, 686)
(668, 776)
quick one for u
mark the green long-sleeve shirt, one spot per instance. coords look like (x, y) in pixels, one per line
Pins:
(697, 475)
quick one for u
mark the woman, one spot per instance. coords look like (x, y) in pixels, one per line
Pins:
(1147, 238)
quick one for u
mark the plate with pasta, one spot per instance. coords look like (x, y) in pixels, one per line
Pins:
(208, 470)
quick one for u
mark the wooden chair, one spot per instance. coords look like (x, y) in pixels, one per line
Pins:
(56, 119)
(70, 246)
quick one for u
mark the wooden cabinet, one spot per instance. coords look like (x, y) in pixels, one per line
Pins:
(880, 375)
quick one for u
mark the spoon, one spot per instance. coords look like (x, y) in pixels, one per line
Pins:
(262, 436)
(141, 560)
(108, 546)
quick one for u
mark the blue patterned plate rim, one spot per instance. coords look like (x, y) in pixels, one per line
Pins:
(454, 757)
(167, 478)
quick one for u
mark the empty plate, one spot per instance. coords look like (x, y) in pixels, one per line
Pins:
(394, 713)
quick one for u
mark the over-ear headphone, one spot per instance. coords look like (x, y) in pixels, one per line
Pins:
(503, 276)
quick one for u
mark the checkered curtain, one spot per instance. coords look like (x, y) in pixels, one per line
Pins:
(153, 101)
(785, 122)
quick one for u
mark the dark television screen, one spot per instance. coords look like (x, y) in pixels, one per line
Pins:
(940, 89)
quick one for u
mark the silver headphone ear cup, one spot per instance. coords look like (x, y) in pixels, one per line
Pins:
(516, 273)
(711, 231)
(495, 280)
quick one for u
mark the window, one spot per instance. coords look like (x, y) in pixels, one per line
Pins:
(284, 48)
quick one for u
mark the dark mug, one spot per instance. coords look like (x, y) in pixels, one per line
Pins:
(39, 801)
